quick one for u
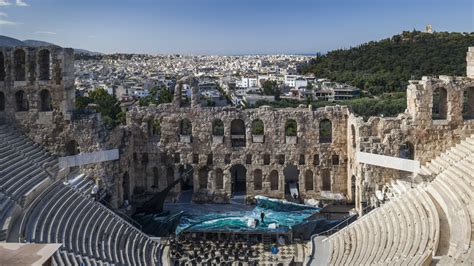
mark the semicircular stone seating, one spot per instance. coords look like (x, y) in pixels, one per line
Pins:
(90, 233)
(431, 222)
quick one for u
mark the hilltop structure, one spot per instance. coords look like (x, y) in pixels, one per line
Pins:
(231, 152)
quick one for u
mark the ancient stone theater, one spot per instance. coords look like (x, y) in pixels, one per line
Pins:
(409, 178)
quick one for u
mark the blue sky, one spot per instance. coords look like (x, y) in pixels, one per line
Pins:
(225, 26)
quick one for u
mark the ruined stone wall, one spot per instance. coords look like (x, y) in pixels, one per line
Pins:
(428, 135)
(172, 150)
(35, 72)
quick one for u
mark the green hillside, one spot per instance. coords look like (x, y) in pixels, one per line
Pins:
(387, 65)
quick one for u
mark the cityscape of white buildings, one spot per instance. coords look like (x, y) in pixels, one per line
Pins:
(235, 78)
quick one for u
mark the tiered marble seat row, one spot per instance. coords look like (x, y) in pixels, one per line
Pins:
(87, 230)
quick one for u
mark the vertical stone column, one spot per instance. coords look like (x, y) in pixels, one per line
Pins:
(178, 94)
(470, 63)
(194, 96)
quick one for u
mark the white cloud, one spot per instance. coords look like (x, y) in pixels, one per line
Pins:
(7, 22)
(3, 14)
(45, 32)
(21, 3)
(4, 3)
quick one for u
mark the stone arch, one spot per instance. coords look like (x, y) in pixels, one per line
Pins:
(257, 179)
(186, 127)
(44, 63)
(2, 101)
(274, 180)
(308, 180)
(440, 104)
(156, 178)
(169, 175)
(126, 186)
(155, 127)
(45, 101)
(258, 128)
(187, 173)
(217, 127)
(325, 131)
(71, 148)
(203, 174)
(21, 100)
(468, 103)
(326, 178)
(239, 178)
(19, 63)
(2, 67)
(219, 181)
(291, 174)
(237, 132)
(291, 128)
(353, 134)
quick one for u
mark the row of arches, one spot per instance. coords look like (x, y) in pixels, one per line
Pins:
(22, 104)
(238, 129)
(238, 178)
(19, 65)
(439, 109)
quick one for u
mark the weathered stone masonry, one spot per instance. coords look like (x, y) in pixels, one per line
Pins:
(160, 143)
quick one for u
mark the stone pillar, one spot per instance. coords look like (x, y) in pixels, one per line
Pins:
(470, 63)
(178, 90)
(194, 96)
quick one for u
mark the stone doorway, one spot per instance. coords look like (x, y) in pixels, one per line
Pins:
(239, 179)
(291, 174)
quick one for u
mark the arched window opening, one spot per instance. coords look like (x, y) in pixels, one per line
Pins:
(45, 101)
(22, 104)
(239, 179)
(353, 133)
(186, 128)
(266, 159)
(44, 62)
(316, 160)
(156, 128)
(2, 67)
(19, 61)
(308, 180)
(237, 132)
(291, 128)
(156, 178)
(217, 128)
(468, 103)
(170, 175)
(291, 174)
(325, 131)
(258, 131)
(326, 178)
(219, 179)
(203, 174)
(274, 180)
(257, 179)
(71, 148)
(440, 104)
(257, 127)
(2, 101)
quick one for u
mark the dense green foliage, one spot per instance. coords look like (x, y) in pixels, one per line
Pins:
(387, 65)
(257, 127)
(162, 94)
(388, 104)
(107, 105)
